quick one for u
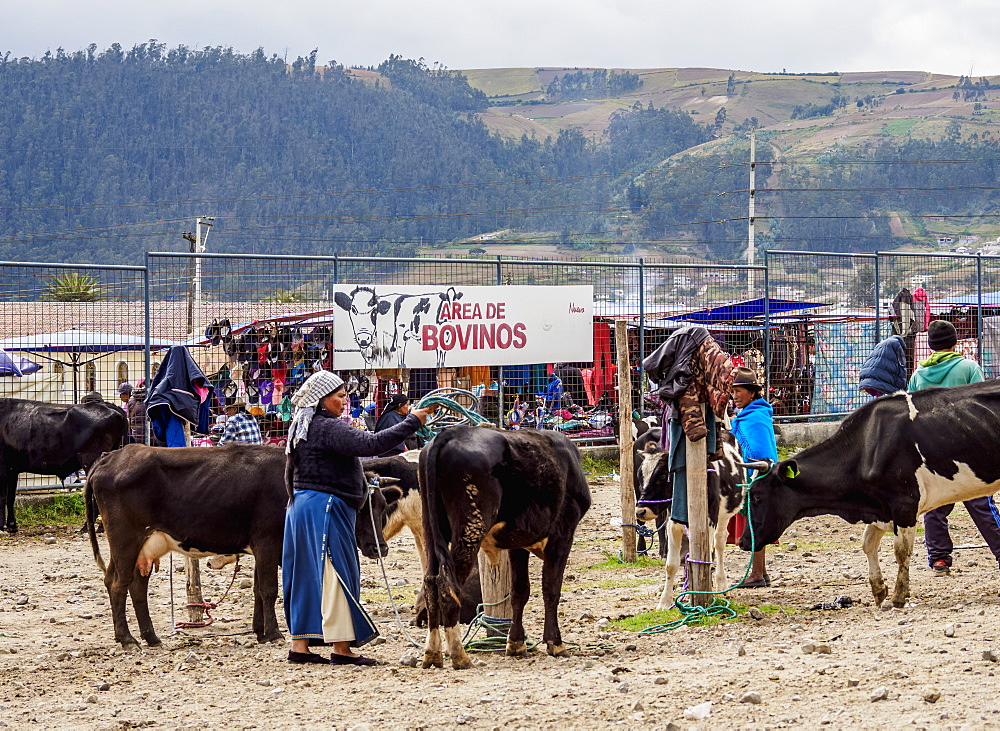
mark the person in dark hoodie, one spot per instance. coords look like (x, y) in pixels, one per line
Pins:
(946, 367)
(395, 413)
(884, 371)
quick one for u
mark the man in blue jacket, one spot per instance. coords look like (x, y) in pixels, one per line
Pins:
(946, 367)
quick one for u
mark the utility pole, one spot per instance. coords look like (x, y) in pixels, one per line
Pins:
(750, 232)
(199, 248)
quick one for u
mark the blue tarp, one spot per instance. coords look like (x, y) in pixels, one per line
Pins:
(746, 310)
(16, 366)
(990, 299)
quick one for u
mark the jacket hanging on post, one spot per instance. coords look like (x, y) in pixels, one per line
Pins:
(905, 319)
(178, 392)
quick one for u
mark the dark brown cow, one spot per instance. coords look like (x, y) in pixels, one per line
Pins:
(199, 502)
(51, 439)
(484, 488)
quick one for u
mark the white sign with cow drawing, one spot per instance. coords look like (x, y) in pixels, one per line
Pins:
(432, 327)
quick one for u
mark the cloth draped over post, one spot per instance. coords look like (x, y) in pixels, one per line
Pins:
(178, 395)
(885, 368)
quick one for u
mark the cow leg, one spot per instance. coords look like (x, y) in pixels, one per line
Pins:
(138, 589)
(520, 589)
(450, 605)
(869, 544)
(8, 508)
(117, 581)
(556, 555)
(433, 656)
(719, 579)
(903, 548)
(265, 593)
(675, 539)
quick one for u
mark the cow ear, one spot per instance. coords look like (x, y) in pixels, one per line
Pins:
(342, 300)
(383, 306)
(789, 469)
(391, 493)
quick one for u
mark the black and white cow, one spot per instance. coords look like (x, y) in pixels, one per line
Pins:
(50, 439)
(647, 445)
(523, 491)
(198, 502)
(891, 461)
(726, 478)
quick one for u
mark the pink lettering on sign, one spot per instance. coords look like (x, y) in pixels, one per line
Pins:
(473, 336)
(575, 309)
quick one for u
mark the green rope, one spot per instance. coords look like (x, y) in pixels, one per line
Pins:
(450, 412)
(719, 608)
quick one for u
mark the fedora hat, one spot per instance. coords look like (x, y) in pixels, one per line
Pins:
(746, 378)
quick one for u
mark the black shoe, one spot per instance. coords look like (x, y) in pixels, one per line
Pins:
(304, 658)
(336, 659)
(758, 584)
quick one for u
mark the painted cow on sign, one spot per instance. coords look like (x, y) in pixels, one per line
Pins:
(523, 491)
(890, 462)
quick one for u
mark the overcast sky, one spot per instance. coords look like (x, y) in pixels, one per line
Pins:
(798, 35)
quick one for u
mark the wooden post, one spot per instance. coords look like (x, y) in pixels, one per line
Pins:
(626, 448)
(698, 527)
(192, 577)
(495, 581)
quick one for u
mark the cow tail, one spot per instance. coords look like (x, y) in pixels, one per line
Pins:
(289, 473)
(90, 503)
(438, 558)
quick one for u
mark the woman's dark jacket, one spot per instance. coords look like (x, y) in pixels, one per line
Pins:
(327, 461)
(885, 369)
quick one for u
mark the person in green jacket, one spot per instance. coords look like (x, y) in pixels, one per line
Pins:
(948, 368)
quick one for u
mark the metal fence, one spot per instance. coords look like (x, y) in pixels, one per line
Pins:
(805, 321)
(70, 332)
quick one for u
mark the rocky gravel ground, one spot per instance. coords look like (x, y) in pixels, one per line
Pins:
(932, 664)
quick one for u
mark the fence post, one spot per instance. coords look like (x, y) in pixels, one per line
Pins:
(700, 556)
(767, 327)
(336, 270)
(147, 328)
(878, 299)
(979, 308)
(642, 331)
(500, 411)
(626, 450)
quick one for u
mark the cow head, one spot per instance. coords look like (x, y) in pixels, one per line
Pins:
(776, 501)
(373, 545)
(363, 307)
(657, 487)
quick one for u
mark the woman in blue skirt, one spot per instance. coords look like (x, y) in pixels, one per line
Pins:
(321, 575)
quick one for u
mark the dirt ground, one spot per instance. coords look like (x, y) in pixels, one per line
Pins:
(922, 666)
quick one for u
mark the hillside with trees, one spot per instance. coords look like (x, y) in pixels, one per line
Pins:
(109, 153)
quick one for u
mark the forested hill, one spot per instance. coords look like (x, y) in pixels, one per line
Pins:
(106, 154)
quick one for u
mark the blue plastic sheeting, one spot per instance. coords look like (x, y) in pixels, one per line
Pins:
(746, 310)
(841, 349)
(990, 299)
(16, 366)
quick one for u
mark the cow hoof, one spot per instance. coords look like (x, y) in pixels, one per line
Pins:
(557, 650)
(886, 605)
(433, 660)
(461, 662)
(153, 641)
(271, 637)
(518, 649)
(130, 645)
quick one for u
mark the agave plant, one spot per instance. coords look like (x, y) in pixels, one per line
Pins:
(286, 296)
(73, 287)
